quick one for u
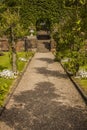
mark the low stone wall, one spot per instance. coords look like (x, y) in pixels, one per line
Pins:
(20, 45)
(32, 42)
(4, 45)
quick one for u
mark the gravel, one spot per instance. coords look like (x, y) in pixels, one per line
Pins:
(45, 99)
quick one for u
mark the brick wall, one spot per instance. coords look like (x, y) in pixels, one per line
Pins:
(31, 43)
(4, 45)
(20, 45)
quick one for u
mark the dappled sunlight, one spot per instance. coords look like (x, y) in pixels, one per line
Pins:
(49, 72)
(48, 60)
(38, 110)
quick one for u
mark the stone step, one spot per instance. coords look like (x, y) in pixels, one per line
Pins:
(43, 35)
(43, 45)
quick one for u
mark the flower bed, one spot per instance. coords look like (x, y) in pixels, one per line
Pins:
(7, 76)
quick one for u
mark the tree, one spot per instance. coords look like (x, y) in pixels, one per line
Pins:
(10, 27)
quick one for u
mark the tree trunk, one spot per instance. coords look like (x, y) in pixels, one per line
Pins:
(13, 49)
(14, 59)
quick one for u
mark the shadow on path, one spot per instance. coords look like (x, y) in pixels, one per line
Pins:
(54, 73)
(48, 60)
(39, 109)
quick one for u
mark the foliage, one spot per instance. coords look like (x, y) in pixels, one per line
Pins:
(5, 64)
(11, 27)
(4, 61)
(76, 60)
(5, 84)
(4, 88)
(74, 63)
(58, 56)
(83, 84)
(32, 10)
(10, 19)
(74, 3)
(70, 35)
(21, 64)
(67, 20)
(12, 3)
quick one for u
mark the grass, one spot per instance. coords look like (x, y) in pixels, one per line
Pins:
(84, 67)
(83, 84)
(5, 84)
(21, 64)
(4, 88)
(4, 61)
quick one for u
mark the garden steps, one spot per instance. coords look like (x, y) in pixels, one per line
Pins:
(43, 45)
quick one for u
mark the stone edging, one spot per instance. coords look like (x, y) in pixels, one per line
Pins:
(14, 86)
(84, 96)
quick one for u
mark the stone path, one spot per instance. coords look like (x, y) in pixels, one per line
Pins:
(45, 99)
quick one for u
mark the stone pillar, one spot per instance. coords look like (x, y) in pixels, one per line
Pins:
(53, 45)
(32, 42)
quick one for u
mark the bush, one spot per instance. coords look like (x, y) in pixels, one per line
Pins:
(58, 56)
(70, 66)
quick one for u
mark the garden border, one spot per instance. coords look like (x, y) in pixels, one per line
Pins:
(14, 86)
(83, 95)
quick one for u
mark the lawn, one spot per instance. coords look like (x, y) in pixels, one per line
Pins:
(21, 64)
(5, 61)
(83, 84)
(4, 88)
(5, 84)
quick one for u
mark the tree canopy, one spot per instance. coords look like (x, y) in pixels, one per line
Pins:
(32, 10)
(67, 20)
(56, 11)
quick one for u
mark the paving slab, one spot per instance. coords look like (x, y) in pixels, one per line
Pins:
(45, 99)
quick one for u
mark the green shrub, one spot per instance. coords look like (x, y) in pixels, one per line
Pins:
(58, 56)
(70, 67)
